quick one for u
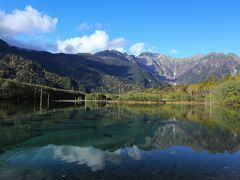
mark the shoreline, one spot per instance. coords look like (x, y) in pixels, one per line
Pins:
(136, 102)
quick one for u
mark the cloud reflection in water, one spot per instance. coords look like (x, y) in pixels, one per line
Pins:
(96, 159)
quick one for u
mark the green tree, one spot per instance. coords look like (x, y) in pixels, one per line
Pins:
(228, 93)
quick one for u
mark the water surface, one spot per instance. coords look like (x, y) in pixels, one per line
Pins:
(97, 141)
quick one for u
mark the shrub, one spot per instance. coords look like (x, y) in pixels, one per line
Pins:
(95, 96)
(228, 93)
(112, 97)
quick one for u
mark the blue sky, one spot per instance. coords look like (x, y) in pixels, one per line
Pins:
(175, 27)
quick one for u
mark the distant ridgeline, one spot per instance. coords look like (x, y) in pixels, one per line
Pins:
(111, 71)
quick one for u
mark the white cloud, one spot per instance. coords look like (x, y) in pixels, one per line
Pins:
(28, 21)
(84, 26)
(137, 48)
(87, 26)
(174, 51)
(95, 42)
(117, 44)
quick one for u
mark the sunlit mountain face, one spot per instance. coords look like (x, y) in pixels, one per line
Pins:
(191, 69)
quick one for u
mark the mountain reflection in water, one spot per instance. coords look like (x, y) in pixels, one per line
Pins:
(105, 141)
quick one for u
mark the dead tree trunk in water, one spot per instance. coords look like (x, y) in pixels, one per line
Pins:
(41, 94)
(48, 101)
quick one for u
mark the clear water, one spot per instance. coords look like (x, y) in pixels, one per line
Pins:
(95, 141)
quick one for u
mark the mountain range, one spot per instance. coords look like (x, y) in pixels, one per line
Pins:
(191, 69)
(110, 70)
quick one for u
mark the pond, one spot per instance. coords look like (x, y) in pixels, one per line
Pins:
(115, 141)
